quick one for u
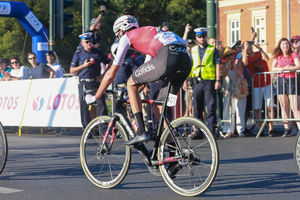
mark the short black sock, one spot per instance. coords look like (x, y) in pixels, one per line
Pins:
(140, 123)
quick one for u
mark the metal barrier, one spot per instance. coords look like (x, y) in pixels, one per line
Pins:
(274, 85)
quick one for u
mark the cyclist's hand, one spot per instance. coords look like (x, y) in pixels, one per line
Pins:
(89, 99)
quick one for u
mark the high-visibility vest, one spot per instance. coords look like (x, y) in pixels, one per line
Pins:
(208, 72)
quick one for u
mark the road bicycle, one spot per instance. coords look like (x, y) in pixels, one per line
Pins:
(3, 148)
(188, 166)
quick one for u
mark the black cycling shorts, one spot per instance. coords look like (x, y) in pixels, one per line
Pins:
(169, 60)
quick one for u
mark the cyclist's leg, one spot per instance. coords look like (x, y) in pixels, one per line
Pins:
(148, 72)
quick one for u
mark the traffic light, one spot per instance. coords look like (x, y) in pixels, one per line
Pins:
(62, 23)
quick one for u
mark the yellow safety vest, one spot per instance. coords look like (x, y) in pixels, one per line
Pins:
(209, 71)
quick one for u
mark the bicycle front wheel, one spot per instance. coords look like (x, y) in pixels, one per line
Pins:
(197, 160)
(297, 153)
(104, 163)
(3, 148)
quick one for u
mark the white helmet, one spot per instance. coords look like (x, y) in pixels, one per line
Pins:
(124, 23)
(114, 49)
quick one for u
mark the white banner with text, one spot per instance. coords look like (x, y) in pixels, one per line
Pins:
(44, 103)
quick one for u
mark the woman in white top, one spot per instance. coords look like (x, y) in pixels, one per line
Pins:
(18, 71)
(232, 72)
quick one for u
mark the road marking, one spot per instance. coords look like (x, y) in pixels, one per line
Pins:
(22, 150)
(8, 190)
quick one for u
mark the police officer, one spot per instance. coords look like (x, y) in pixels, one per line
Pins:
(86, 64)
(206, 73)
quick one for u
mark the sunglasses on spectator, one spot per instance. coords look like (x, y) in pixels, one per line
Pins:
(229, 55)
(14, 62)
(88, 41)
(200, 36)
(32, 58)
(295, 41)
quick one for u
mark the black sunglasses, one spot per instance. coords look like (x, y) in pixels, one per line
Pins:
(88, 41)
(232, 54)
(14, 62)
(200, 36)
(32, 58)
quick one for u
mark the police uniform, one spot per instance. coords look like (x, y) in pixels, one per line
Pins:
(87, 77)
(204, 73)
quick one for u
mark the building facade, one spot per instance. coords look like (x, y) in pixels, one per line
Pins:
(269, 18)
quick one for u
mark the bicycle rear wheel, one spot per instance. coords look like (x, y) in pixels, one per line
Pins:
(297, 153)
(105, 165)
(3, 148)
(198, 160)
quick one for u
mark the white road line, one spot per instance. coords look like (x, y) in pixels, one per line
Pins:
(8, 190)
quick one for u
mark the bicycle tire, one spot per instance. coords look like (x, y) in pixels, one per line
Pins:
(297, 153)
(200, 164)
(103, 167)
(3, 148)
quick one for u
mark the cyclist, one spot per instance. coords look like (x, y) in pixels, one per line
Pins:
(166, 54)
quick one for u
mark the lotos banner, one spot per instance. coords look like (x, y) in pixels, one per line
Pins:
(53, 102)
(13, 97)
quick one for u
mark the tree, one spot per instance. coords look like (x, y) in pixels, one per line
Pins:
(14, 40)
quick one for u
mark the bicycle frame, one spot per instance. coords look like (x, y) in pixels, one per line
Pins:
(119, 115)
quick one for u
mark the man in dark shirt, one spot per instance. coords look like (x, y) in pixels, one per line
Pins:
(86, 64)
(39, 70)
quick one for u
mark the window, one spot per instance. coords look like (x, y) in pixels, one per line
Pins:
(260, 29)
(234, 30)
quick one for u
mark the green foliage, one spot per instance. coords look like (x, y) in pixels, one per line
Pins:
(14, 38)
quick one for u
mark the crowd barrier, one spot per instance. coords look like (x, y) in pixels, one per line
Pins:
(40, 103)
(275, 86)
(180, 109)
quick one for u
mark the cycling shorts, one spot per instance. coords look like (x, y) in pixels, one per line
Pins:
(169, 60)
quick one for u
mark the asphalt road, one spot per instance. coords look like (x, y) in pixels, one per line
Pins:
(47, 167)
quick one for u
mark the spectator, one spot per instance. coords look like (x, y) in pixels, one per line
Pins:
(232, 71)
(59, 72)
(128, 66)
(165, 26)
(3, 69)
(287, 60)
(18, 71)
(39, 70)
(86, 64)
(295, 44)
(206, 72)
(247, 75)
(257, 62)
(212, 41)
(95, 25)
(188, 84)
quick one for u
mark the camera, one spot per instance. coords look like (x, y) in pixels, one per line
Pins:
(250, 42)
(91, 60)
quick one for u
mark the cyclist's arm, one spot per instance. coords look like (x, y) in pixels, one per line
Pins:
(110, 75)
(108, 78)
